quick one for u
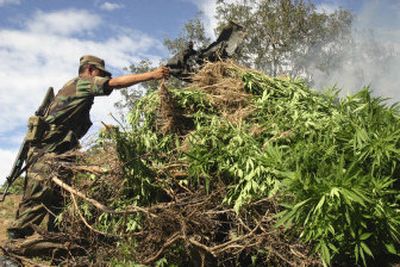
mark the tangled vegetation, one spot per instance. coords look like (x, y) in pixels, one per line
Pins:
(241, 169)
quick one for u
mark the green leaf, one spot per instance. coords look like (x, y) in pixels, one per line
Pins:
(332, 247)
(335, 192)
(365, 236)
(321, 202)
(325, 254)
(391, 248)
(353, 196)
(366, 249)
(356, 252)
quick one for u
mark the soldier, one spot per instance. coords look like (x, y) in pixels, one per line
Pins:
(67, 120)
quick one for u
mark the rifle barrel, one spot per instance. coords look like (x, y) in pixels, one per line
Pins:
(18, 166)
(46, 102)
(5, 192)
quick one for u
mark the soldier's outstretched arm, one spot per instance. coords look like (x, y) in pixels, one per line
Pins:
(131, 79)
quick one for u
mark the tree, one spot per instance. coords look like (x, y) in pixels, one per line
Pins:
(287, 36)
(193, 31)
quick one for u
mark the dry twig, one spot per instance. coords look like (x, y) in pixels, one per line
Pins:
(98, 205)
(84, 220)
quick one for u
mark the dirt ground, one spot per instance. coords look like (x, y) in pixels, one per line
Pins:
(7, 214)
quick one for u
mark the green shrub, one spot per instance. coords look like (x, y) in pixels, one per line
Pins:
(331, 163)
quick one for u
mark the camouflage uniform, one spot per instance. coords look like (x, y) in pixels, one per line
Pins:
(68, 120)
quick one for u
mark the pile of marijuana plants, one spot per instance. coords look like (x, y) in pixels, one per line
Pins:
(243, 169)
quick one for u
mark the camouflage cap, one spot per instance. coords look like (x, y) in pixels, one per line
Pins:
(95, 61)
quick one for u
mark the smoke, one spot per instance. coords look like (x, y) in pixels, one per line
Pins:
(373, 57)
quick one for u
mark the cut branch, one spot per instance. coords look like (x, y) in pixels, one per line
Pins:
(168, 243)
(84, 220)
(98, 205)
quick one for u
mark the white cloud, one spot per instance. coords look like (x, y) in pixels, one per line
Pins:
(14, 140)
(9, 2)
(328, 8)
(7, 158)
(108, 6)
(34, 59)
(208, 9)
(65, 22)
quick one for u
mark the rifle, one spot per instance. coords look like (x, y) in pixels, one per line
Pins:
(189, 61)
(35, 131)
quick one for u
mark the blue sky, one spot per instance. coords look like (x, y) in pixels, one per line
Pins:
(156, 17)
(42, 40)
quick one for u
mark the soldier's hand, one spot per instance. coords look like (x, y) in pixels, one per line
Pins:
(160, 73)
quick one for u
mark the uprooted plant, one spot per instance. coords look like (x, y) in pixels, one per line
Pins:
(242, 169)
